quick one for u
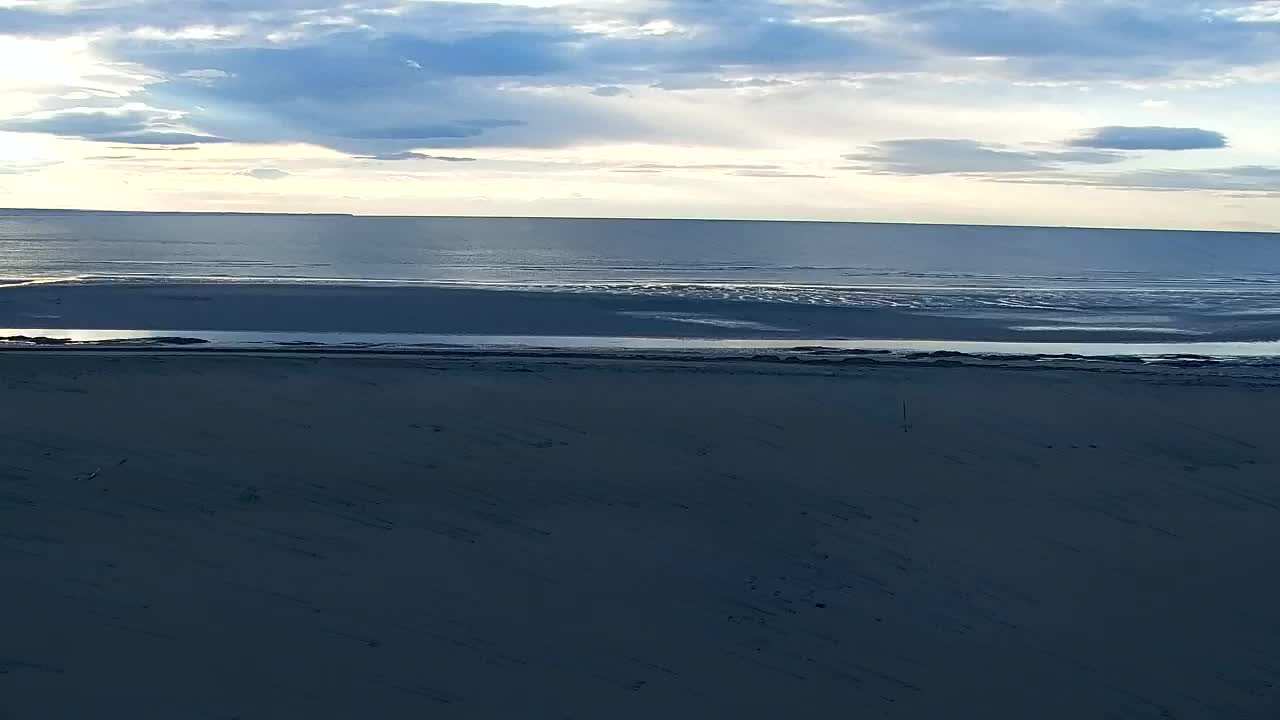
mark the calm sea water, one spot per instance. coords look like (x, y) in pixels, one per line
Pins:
(1101, 281)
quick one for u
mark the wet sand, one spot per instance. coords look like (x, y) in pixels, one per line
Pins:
(238, 536)
(187, 308)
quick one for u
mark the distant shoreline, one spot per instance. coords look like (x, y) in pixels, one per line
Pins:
(38, 212)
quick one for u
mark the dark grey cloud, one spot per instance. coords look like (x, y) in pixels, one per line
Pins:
(937, 156)
(410, 155)
(265, 173)
(1150, 138)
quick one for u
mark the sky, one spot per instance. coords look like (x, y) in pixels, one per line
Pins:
(1115, 113)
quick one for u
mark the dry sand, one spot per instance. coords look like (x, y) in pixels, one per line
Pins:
(204, 536)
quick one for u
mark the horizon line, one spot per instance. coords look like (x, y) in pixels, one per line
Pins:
(267, 213)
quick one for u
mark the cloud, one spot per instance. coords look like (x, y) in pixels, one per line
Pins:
(782, 45)
(1004, 164)
(704, 82)
(130, 125)
(436, 131)
(158, 138)
(86, 123)
(1242, 180)
(610, 91)
(353, 91)
(773, 174)
(1087, 38)
(24, 168)
(197, 17)
(594, 37)
(1080, 167)
(380, 77)
(1150, 138)
(700, 166)
(207, 76)
(409, 155)
(733, 169)
(149, 148)
(937, 156)
(265, 173)
(354, 63)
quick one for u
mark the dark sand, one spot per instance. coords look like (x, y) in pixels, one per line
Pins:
(201, 536)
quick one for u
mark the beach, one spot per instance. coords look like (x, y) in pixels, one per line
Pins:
(327, 535)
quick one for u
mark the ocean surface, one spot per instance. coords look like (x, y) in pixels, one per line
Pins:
(639, 279)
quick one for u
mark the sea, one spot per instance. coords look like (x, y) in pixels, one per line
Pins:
(642, 283)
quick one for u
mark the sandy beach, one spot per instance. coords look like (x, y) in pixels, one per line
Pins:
(187, 535)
